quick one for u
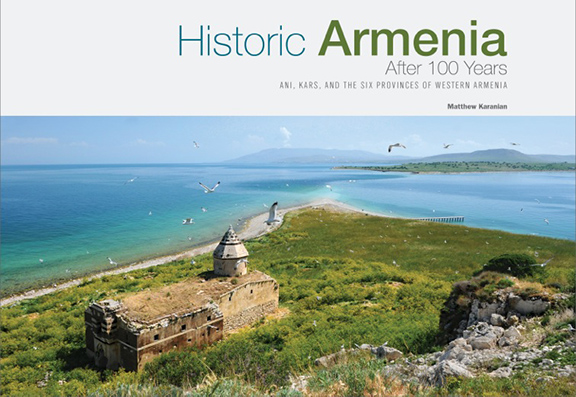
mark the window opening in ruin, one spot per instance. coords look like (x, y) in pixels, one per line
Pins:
(156, 337)
(183, 327)
(209, 318)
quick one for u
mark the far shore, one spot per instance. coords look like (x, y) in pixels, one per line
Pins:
(253, 228)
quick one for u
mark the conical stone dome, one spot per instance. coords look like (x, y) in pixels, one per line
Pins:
(230, 256)
(230, 247)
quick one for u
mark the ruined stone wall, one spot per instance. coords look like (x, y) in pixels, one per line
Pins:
(249, 315)
(178, 338)
(248, 303)
(130, 347)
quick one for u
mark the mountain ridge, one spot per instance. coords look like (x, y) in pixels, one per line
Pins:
(339, 156)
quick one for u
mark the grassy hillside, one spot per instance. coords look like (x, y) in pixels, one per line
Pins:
(469, 166)
(344, 279)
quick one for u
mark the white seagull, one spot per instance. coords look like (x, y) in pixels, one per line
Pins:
(131, 180)
(329, 187)
(272, 215)
(395, 145)
(203, 209)
(547, 221)
(41, 260)
(188, 221)
(196, 145)
(447, 145)
(207, 189)
(543, 264)
(111, 261)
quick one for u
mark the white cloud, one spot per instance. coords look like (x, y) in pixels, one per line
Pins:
(147, 143)
(30, 141)
(79, 144)
(469, 143)
(255, 139)
(415, 138)
(286, 135)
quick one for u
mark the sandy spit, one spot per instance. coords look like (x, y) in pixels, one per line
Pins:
(254, 227)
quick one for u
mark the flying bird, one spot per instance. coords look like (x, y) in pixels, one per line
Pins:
(547, 221)
(538, 201)
(543, 264)
(150, 213)
(131, 180)
(447, 145)
(329, 187)
(41, 260)
(207, 189)
(204, 209)
(395, 145)
(196, 145)
(111, 261)
(514, 144)
(188, 221)
(272, 215)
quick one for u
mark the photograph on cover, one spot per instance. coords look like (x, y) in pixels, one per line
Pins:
(282, 247)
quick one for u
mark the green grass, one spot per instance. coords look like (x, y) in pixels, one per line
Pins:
(377, 280)
(468, 166)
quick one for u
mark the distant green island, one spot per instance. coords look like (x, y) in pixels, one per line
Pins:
(466, 166)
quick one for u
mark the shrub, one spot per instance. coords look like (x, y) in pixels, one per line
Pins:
(518, 265)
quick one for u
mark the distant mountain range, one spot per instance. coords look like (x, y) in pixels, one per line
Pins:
(317, 156)
(335, 156)
(500, 155)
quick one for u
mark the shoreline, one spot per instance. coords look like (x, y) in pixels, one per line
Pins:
(449, 172)
(253, 227)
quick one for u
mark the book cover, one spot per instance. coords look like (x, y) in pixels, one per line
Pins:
(259, 198)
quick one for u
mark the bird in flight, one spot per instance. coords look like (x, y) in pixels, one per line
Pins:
(207, 189)
(447, 145)
(41, 260)
(188, 221)
(547, 221)
(131, 180)
(395, 145)
(196, 145)
(204, 209)
(329, 187)
(111, 261)
(543, 264)
(272, 214)
(514, 144)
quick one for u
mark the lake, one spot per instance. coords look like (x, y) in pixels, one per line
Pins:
(65, 221)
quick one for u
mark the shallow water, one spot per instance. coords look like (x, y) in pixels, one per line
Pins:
(74, 217)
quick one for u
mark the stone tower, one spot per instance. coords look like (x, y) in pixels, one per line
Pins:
(230, 257)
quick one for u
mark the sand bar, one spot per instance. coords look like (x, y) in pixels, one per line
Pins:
(254, 227)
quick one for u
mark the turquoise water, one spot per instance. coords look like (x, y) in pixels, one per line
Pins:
(74, 217)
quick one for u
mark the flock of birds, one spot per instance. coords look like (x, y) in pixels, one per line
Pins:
(273, 216)
(445, 145)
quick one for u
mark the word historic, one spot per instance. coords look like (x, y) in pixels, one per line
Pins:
(424, 42)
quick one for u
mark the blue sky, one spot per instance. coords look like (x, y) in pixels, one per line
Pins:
(117, 140)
